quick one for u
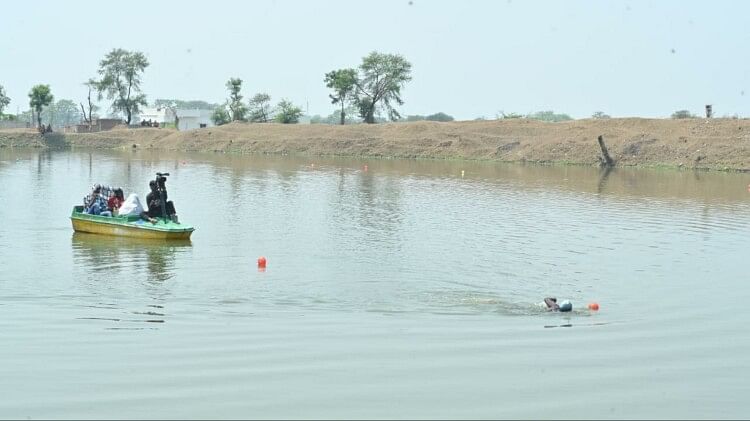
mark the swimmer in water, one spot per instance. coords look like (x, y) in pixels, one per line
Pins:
(552, 305)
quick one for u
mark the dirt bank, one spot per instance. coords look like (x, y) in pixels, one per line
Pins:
(693, 143)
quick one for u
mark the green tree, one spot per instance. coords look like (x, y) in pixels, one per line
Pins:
(4, 100)
(64, 112)
(335, 117)
(40, 97)
(288, 113)
(121, 72)
(682, 114)
(220, 116)
(236, 107)
(382, 76)
(186, 105)
(344, 84)
(439, 117)
(504, 116)
(548, 116)
(599, 115)
(259, 108)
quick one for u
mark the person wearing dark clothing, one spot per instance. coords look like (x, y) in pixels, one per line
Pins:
(154, 203)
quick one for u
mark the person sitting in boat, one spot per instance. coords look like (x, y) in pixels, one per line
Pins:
(88, 200)
(131, 206)
(95, 203)
(116, 199)
(154, 203)
(552, 305)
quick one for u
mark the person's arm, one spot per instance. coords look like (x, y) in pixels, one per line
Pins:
(145, 215)
(551, 304)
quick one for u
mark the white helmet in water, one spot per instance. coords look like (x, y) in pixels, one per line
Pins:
(566, 306)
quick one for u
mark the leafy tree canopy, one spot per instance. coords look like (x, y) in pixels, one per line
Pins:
(259, 107)
(344, 84)
(40, 97)
(683, 114)
(288, 113)
(382, 76)
(548, 116)
(220, 116)
(4, 100)
(237, 109)
(64, 112)
(121, 72)
(376, 85)
(599, 115)
(186, 105)
(432, 117)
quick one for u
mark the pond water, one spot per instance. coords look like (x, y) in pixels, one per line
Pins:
(394, 289)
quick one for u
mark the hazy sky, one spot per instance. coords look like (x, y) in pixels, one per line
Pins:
(470, 58)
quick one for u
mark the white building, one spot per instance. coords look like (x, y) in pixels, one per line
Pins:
(188, 119)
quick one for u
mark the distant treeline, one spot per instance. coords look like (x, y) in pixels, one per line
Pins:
(368, 93)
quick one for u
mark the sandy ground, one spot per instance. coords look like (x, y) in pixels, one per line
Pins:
(694, 143)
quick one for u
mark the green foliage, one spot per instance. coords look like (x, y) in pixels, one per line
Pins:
(382, 76)
(335, 117)
(64, 112)
(220, 116)
(40, 97)
(121, 72)
(4, 100)
(439, 117)
(288, 113)
(508, 116)
(432, 117)
(548, 116)
(236, 108)
(599, 115)
(260, 109)
(186, 105)
(344, 84)
(683, 114)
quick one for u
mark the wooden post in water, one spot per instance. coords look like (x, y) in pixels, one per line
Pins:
(607, 159)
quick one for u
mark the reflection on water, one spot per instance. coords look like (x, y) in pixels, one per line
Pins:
(102, 261)
(412, 283)
(107, 254)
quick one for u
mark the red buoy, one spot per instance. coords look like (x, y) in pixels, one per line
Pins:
(594, 306)
(262, 262)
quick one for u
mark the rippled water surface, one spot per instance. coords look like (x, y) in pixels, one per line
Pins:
(394, 289)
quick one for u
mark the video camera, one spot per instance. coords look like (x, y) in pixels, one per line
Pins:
(161, 178)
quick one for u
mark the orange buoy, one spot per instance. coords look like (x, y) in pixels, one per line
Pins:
(594, 306)
(262, 262)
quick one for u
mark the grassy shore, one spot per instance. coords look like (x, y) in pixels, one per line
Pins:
(722, 144)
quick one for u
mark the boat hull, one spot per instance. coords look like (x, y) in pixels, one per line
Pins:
(128, 227)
